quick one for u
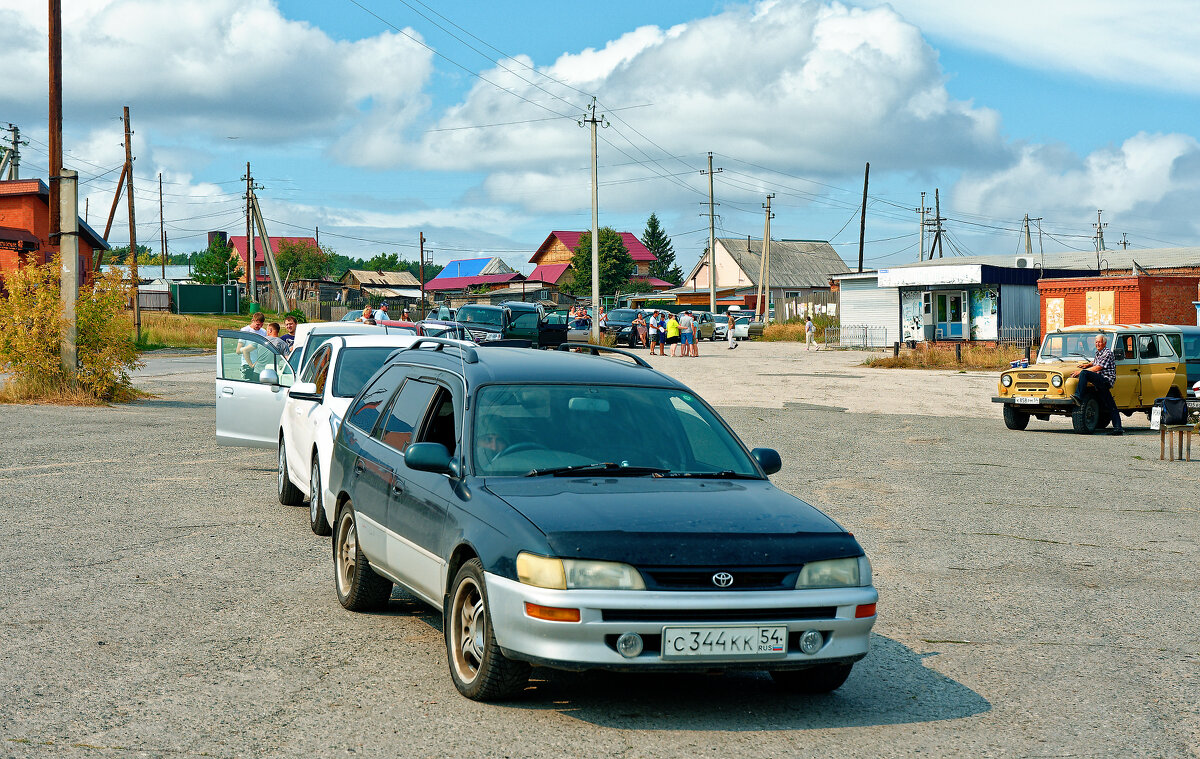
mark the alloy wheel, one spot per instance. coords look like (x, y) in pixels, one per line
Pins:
(468, 632)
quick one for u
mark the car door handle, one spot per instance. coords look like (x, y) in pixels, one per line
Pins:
(227, 390)
(358, 467)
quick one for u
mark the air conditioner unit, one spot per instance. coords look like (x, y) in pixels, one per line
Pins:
(1025, 262)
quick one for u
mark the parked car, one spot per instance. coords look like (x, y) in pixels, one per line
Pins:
(620, 325)
(444, 313)
(313, 412)
(311, 336)
(705, 325)
(1148, 367)
(745, 327)
(513, 320)
(502, 487)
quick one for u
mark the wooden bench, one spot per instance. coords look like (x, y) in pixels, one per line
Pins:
(1170, 435)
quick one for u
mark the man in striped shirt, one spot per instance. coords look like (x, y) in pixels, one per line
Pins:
(1101, 374)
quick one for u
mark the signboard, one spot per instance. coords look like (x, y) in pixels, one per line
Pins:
(915, 276)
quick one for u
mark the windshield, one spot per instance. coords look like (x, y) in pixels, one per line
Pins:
(469, 315)
(1063, 346)
(356, 366)
(622, 315)
(524, 429)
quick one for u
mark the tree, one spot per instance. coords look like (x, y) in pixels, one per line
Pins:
(119, 254)
(616, 265)
(300, 260)
(217, 265)
(655, 238)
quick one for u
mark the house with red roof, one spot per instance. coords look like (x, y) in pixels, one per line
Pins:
(553, 259)
(25, 228)
(238, 242)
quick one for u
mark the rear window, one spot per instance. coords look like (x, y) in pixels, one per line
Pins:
(355, 367)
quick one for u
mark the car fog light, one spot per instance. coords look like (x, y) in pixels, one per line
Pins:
(1056, 380)
(629, 645)
(811, 641)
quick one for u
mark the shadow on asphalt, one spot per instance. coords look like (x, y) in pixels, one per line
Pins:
(891, 686)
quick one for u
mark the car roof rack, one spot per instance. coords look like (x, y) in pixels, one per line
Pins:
(596, 349)
(441, 343)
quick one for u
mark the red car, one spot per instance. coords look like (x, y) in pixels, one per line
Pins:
(412, 328)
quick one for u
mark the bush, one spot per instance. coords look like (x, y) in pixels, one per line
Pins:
(32, 329)
(297, 314)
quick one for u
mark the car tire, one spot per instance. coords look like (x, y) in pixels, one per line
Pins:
(823, 678)
(1014, 419)
(358, 587)
(289, 494)
(316, 502)
(1086, 416)
(477, 667)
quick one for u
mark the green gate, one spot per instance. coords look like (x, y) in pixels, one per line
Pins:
(205, 299)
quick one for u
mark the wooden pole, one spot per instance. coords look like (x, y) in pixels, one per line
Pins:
(862, 217)
(133, 268)
(55, 8)
(162, 234)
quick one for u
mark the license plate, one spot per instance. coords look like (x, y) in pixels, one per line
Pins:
(1025, 401)
(753, 642)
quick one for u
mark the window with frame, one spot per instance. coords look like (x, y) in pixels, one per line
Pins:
(1124, 348)
(405, 413)
(365, 412)
(441, 424)
(317, 371)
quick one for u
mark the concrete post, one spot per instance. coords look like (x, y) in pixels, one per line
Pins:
(68, 247)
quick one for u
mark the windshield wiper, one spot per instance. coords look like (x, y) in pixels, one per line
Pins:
(605, 468)
(728, 474)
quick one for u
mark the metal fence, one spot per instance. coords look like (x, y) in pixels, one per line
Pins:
(856, 336)
(1020, 337)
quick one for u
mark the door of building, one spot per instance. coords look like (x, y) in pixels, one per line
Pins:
(948, 314)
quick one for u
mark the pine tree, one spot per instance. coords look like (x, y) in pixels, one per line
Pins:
(217, 265)
(656, 240)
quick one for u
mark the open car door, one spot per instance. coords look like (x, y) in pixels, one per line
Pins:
(251, 386)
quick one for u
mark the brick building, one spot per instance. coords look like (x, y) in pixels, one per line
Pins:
(1145, 298)
(25, 228)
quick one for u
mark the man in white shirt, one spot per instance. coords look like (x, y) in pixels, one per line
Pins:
(246, 347)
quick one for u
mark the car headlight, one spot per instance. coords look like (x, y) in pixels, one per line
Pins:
(563, 574)
(1056, 380)
(835, 573)
(1006, 380)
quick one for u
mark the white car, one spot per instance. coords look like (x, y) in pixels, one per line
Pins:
(309, 337)
(313, 412)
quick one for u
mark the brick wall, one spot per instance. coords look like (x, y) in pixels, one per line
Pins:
(1164, 299)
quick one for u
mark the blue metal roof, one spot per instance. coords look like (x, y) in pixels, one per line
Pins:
(463, 267)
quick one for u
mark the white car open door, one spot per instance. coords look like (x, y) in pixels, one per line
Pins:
(251, 386)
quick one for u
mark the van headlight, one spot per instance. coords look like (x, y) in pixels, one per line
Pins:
(835, 573)
(573, 574)
(1056, 380)
(1006, 380)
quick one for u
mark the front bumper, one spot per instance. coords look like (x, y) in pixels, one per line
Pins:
(1056, 404)
(605, 615)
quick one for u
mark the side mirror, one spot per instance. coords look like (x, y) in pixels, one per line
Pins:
(430, 457)
(305, 391)
(268, 376)
(768, 459)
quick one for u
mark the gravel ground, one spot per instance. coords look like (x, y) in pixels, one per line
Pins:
(1037, 599)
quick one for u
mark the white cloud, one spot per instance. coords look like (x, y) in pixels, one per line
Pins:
(800, 85)
(213, 67)
(1148, 45)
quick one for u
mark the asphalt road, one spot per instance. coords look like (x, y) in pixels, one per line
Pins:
(1038, 598)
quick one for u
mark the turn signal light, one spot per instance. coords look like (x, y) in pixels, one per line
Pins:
(864, 610)
(554, 613)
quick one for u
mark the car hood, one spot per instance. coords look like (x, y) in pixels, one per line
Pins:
(671, 522)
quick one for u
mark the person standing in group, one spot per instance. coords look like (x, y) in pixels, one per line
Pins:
(695, 335)
(246, 348)
(277, 342)
(810, 332)
(289, 337)
(673, 333)
(686, 334)
(639, 323)
(603, 317)
(366, 316)
(729, 330)
(661, 320)
(382, 311)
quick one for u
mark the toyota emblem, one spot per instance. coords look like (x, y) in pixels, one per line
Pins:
(722, 579)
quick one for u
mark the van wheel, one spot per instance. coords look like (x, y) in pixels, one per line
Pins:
(1013, 419)
(1086, 418)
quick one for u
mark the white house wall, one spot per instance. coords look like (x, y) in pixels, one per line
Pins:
(729, 274)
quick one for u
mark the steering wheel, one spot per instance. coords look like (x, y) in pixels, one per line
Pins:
(528, 445)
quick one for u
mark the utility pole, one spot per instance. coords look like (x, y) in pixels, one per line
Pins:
(862, 217)
(275, 281)
(937, 220)
(1099, 236)
(1041, 250)
(1124, 241)
(763, 266)
(712, 238)
(162, 233)
(133, 269)
(55, 8)
(1028, 240)
(251, 269)
(921, 224)
(11, 162)
(421, 275)
(591, 120)
(68, 247)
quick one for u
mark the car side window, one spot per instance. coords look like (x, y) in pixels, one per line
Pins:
(526, 321)
(1124, 348)
(1147, 346)
(405, 414)
(1164, 347)
(441, 424)
(317, 371)
(365, 411)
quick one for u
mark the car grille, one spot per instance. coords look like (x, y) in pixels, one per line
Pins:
(1031, 375)
(1032, 387)
(702, 579)
(718, 615)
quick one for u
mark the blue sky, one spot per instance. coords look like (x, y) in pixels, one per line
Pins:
(1008, 108)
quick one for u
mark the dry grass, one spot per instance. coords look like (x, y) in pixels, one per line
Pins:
(163, 330)
(779, 333)
(974, 357)
(57, 392)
